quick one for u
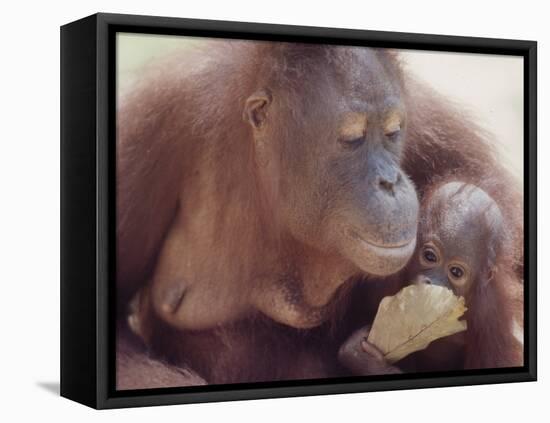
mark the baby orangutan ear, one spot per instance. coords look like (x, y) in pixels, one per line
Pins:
(256, 107)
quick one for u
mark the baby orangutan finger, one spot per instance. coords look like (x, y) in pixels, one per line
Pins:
(359, 335)
(372, 350)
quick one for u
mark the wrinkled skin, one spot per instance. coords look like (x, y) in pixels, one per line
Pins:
(254, 181)
(339, 205)
(460, 235)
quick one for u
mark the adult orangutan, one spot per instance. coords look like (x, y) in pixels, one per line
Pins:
(254, 180)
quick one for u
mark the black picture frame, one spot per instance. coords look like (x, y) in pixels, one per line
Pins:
(88, 215)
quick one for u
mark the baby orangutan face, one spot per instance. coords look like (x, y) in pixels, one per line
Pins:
(459, 233)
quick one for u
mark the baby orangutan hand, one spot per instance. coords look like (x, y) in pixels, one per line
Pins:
(362, 357)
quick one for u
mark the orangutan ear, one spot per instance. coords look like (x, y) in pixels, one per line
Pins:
(256, 108)
(490, 275)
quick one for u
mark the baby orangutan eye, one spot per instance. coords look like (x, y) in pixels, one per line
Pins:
(456, 271)
(429, 256)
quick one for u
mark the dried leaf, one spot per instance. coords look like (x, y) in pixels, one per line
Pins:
(414, 317)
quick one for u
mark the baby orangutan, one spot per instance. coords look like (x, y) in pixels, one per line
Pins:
(462, 245)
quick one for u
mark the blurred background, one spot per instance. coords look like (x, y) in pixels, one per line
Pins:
(489, 87)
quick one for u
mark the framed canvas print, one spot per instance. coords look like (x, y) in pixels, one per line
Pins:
(255, 211)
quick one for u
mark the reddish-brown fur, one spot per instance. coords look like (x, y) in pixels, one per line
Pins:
(157, 115)
(494, 301)
(489, 340)
(445, 142)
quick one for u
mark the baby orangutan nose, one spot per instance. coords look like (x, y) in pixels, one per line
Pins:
(422, 279)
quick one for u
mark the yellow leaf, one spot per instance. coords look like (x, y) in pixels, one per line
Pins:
(414, 317)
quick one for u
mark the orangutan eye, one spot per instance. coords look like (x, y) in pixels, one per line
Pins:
(456, 271)
(392, 125)
(353, 130)
(430, 256)
(354, 143)
(393, 134)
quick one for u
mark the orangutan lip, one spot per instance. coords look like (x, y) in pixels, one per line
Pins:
(393, 246)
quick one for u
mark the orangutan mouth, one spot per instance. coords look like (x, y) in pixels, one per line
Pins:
(404, 245)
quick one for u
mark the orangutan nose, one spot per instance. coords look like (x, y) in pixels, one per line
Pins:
(388, 184)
